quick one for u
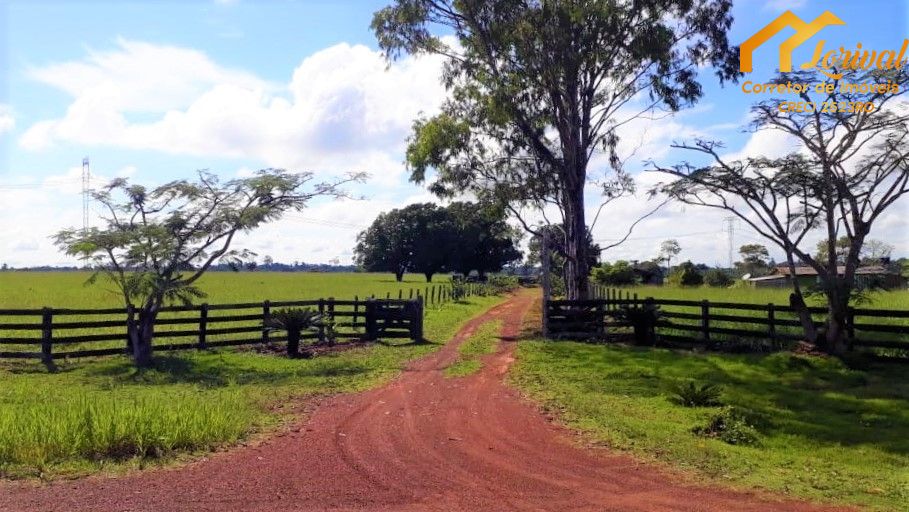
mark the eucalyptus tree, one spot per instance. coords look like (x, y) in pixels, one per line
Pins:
(156, 243)
(538, 91)
(850, 165)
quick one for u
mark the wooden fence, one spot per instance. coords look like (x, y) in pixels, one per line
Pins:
(711, 323)
(53, 333)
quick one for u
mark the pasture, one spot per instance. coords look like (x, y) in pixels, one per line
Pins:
(68, 289)
(103, 414)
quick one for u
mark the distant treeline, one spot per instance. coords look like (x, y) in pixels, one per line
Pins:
(271, 267)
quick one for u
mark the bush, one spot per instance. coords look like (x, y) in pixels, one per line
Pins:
(642, 319)
(686, 274)
(502, 284)
(717, 278)
(730, 426)
(693, 395)
(615, 274)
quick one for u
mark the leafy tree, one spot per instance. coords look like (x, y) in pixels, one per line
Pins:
(755, 260)
(539, 89)
(717, 278)
(686, 274)
(668, 250)
(619, 273)
(841, 250)
(485, 241)
(848, 169)
(418, 238)
(156, 243)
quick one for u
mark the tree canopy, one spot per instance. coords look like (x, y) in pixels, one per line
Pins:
(539, 90)
(848, 169)
(428, 239)
(156, 243)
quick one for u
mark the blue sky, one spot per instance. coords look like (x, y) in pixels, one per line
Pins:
(154, 90)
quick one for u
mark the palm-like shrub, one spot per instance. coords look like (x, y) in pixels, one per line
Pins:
(294, 321)
(694, 395)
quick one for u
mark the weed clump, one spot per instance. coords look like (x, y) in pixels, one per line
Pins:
(730, 426)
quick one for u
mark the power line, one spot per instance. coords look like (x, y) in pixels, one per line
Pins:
(657, 237)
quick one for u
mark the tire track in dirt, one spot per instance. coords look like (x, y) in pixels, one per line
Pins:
(422, 442)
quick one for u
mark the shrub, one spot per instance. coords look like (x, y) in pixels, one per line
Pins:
(730, 426)
(294, 321)
(693, 395)
(614, 274)
(686, 274)
(717, 278)
(643, 320)
(502, 284)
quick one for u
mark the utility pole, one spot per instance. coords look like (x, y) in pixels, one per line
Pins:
(86, 195)
(730, 232)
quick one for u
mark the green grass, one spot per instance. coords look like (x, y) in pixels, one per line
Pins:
(895, 299)
(68, 289)
(104, 415)
(826, 431)
(480, 343)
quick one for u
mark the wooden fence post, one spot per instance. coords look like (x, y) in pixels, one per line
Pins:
(771, 322)
(321, 317)
(266, 318)
(203, 325)
(705, 321)
(850, 327)
(47, 336)
(356, 308)
(411, 294)
(416, 320)
(130, 327)
(400, 293)
(372, 326)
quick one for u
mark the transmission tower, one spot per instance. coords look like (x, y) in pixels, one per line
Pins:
(730, 232)
(86, 196)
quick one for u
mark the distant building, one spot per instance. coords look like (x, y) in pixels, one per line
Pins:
(865, 277)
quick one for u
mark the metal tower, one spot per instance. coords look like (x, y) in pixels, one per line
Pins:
(86, 196)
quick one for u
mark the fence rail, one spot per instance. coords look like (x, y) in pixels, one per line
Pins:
(706, 322)
(49, 334)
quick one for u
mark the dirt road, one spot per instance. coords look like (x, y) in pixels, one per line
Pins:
(422, 442)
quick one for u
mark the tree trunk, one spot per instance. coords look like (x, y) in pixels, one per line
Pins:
(577, 269)
(797, 302)
(399, 276)
(837, 313)
(293, 343)
(428, 276)
(145, 333)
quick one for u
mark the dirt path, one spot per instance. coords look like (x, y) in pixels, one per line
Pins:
(423, 442)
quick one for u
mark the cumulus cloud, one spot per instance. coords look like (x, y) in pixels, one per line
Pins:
(7, 121)
(344, 107)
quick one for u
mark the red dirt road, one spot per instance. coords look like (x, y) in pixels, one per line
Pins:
(423, 442)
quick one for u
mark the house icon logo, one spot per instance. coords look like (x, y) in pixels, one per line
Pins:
(803, 32)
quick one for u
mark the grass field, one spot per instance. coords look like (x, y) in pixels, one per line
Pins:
(103, 414)
(825, 431)
(897, 299)
(481, 343)
(68, 289)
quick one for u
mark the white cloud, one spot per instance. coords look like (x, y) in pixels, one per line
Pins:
(344, 107)
(783, 5)
(7, 121)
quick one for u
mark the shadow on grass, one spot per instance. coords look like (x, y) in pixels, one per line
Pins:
(215, 370)
(782, 394)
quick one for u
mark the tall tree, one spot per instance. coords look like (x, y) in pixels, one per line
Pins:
(669, 249)
(538, 90)
(851, 166)
(156, 243)
(558, 251)
(485, 241)
(755, 260)
(416, 238)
